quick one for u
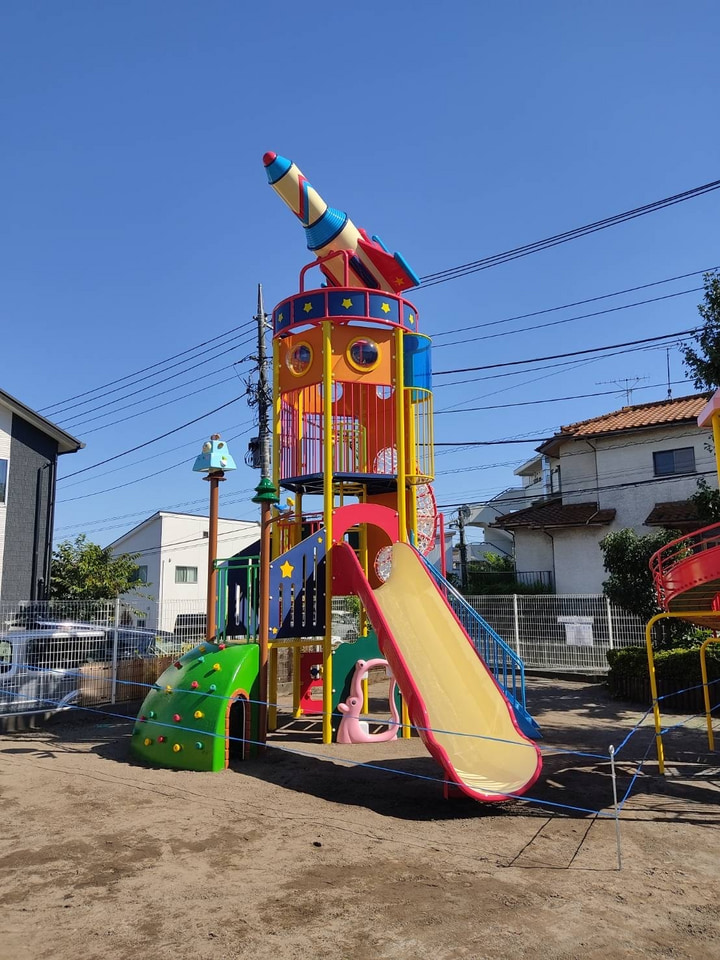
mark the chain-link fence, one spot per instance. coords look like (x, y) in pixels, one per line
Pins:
(72, 652)
(563, 633)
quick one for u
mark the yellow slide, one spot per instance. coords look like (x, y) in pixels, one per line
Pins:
(470, 728)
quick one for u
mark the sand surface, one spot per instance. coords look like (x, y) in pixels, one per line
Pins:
(302, 856)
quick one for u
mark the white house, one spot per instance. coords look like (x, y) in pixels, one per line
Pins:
(173, 561)
(635, 467)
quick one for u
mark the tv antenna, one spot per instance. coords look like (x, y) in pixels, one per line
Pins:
(626, 385)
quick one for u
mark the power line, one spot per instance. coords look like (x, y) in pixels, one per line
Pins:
(111, 383)
(577, 396)
(157, 383)
(576, 303)
(556, 323)
(474, 266)
(557, 356)
(147, 443)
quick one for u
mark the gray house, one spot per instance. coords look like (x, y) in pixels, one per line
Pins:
(29, 448)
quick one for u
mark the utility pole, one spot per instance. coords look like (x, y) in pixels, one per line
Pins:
(462, 513)
(264, 390)
(265, 496)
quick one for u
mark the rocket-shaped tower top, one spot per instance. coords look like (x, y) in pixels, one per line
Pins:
(328, 230)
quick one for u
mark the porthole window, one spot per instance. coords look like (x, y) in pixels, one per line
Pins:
(384, 392)
(299, 359)
(363, 354)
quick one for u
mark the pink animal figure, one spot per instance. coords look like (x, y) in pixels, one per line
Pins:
(354, 730)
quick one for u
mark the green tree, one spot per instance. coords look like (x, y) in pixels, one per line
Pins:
(703, 360)
(82, 570)
(626, 557)
(707, 503)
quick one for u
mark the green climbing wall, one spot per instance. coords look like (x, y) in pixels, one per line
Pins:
(183, 722)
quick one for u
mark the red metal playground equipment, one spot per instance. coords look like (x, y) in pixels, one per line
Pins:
(686, 575)
(353, 449)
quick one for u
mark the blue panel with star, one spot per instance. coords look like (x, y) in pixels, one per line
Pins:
(282, 316)
(309, 306)
(384, 307)
(346, 303)
(410, 317)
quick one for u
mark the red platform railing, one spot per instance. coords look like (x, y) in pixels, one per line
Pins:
(686, 564)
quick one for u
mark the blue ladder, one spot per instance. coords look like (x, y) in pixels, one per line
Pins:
(506, 666)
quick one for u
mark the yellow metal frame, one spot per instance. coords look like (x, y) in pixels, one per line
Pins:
(328, 506)
(400, 434)
(691, 616)
(706, 689)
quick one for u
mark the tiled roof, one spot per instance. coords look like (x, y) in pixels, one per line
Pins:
(555, 514)
(678, 513)
(638, 416)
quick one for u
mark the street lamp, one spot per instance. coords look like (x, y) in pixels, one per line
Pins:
(214, 461)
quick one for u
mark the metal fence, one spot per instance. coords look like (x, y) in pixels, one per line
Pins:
(67, 653)
(561, 632)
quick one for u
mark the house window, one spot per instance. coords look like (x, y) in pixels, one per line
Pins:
(3, 479)
(186, 574)
(141, 575)
(670, 463)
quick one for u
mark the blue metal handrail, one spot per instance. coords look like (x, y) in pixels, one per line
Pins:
(507, 667)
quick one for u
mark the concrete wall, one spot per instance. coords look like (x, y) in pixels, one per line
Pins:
(578, 559)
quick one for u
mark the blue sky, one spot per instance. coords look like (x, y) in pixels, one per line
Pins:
(137, 220)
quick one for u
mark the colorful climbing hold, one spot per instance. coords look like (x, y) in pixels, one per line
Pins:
(202, 648)
(198, 714)
(177, 747)
(147, 741)
(198, 745)
(212, 688)
(194, 685)
(216, 666)
(151, 714)
(201, 659)
(177, 664)
(162, 739)
(142, 718)
(168, 689)
(177, 718)
(221, 646)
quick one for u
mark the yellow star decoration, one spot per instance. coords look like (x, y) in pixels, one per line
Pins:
(411, 319)
(280, 318)
(274, 629)
(385, 307)
(399, 281)
(308, 307)
(347, 303)
(286, 569)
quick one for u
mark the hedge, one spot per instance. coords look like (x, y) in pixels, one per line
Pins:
(675, 669)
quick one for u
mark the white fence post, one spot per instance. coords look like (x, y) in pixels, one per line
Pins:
(114, 668)
(517, 624)
(610, 625)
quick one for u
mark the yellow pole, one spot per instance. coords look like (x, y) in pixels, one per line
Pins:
(653, 690)
(276, 441)
(328, 522)
(690, 615)
(296, 658)
(273, 689)
(400, 434)
(405, 717)
(411, 464)
(706, 690)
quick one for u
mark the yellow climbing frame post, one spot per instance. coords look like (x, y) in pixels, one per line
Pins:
(706, 689)
(328, 505)
(691, 616)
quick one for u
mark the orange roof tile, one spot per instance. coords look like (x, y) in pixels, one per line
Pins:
(635, 417)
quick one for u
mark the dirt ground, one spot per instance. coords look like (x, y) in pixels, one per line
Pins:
(301, 856)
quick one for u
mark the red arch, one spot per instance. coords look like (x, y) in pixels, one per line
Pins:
(373, 513)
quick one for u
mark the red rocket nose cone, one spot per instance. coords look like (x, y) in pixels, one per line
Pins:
(269, 157)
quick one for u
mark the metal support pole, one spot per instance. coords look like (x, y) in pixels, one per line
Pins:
(211, 619)
(516, 619)
(615, 806)
(611, 638)
(463, 551)
(113, 690)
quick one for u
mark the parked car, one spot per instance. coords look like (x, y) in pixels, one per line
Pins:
(39, 667)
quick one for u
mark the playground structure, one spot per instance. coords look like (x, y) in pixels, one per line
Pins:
(353, 447)
(686, 574)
